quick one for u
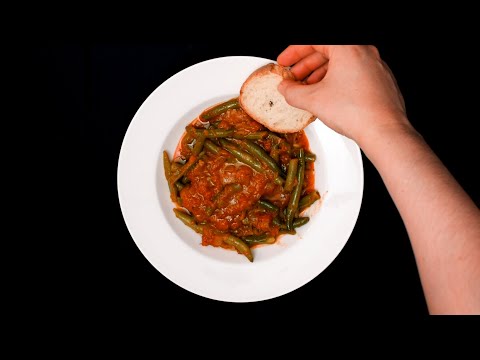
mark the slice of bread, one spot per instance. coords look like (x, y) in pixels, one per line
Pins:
(260, 98)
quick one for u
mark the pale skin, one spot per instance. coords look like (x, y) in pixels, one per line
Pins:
(354, 92)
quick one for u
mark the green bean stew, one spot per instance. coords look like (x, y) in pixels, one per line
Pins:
(238, 184)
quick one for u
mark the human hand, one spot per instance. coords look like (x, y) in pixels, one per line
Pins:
(349, 88)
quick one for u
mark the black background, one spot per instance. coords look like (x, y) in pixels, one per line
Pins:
(89, 90)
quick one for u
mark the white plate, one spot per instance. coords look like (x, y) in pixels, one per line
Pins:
(175, 250)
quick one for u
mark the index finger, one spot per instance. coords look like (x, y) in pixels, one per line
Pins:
(295, 53)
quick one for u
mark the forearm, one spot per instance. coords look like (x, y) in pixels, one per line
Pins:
(443, 223)
(354, 93)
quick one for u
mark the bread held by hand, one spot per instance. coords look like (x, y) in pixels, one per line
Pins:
(260, 99)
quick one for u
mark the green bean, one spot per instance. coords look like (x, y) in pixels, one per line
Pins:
(292, 172)
(175, 166)
(308, 200)
(238, 244)
(198, 147)
(184, 169)
(167, 169)
(267, 205)
(297, 222)
(210, 146)
(262, 155)
(185, 180)
(214, 133)
(300, 221)
(309, 156)
(242, 156)
(179, 185)
(296, 193)
(220, 109)
(188, 220)
(259, 239)
(188, 138)
(289, 232)
(251, 136)
(166, 164)
(256, 135)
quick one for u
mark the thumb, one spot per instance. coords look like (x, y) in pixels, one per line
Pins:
(299, 95)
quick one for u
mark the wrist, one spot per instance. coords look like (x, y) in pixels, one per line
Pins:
(391, 130)
(386, 127)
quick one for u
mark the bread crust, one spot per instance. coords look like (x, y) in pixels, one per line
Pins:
(285, 73)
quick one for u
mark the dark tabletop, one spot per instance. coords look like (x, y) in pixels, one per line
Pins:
(91, 91)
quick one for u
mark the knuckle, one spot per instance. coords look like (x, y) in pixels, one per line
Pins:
(359, 51)
(374, 50)
(355, 50)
